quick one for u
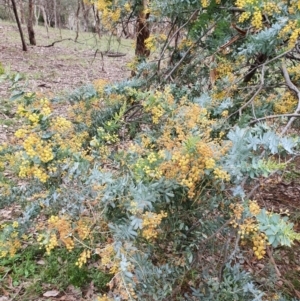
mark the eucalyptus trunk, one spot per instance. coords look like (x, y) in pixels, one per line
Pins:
(143, 31)
(24, 46)
(31, 33)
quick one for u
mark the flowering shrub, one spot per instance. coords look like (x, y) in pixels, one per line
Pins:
(150, 176)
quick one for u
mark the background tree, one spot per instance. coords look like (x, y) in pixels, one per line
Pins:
(24, 46)
(30, 22)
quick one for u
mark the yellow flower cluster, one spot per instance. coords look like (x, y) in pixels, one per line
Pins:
(109, 14)
(210, 163)
(185, 43)
(61, 125)
(100, 85)
(260, 242)
(21, 111)
(21, 133)
(81, 112)
(34, 118)
(148, 166)
(248, 227)
(41, 106)
(83, 229)
(63, 226)
(224, 69)
(238, 210)
(291, 29)
(28, 170)
(294, 38)
(157, 112)
(127, 7)
(35, 147)
(151, 221)
(107, 137)
(294, 5)
(254, 208)
(286, 104)
(204, 3)
(244, 17)
(10, 246)
(221, 174)
(245, 3)
(188, 168)
(52, 244)
(271, 8)
(84, 256)
(108, 259)
(294, 72)
(101, 4)
(257, 20)
(146, 142)
(150, 43)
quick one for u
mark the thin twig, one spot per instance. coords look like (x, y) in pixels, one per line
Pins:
(178, 30)
(188, 51)
(273, 261)
(51, 45)
(212, 236)
(262, 81)
(292, 87)
(272, 117)
(94, 56)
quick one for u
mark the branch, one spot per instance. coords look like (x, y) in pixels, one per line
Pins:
(273, 116)
(210, 237)
(292, 87)
(178, 30)
(51, 45)
(269, 252)
(262, 81)
(188, 51)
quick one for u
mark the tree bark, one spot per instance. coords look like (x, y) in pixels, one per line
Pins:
(22, 12)
(24, 46)
(55, 13)
(59, 18)
(77, 21)
(31, 33)
(143, 32)
(37, 12)
(97, 21)
(45, 18)
(85, 12)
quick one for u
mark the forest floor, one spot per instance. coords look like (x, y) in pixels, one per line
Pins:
(67, 64)
(56, 71)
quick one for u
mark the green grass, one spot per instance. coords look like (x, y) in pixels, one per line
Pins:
(86, 40)
(57, 271)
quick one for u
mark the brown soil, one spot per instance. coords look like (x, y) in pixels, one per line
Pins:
(62, 67)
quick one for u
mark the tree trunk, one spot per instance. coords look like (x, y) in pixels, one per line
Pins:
(45, 18)
(97, 21)
(19, 24)
(77, 21)
(31, 33)
(55, 13)
(59, 18)
(143, 32)
(85, 11)
(37, 12)
(22, 12)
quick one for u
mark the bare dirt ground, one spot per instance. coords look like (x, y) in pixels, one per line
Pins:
(67, 64)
